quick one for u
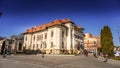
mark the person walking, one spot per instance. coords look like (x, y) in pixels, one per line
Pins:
(94, 54)
(43, 55)
(5, 52)
(106, 57)
(86, 53)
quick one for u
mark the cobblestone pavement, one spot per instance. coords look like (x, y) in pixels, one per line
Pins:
(34, 61)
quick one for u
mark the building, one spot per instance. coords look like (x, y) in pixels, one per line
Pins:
(116, 48)
(14, 44)
(1, 42)
(57, 37)
(91, 43)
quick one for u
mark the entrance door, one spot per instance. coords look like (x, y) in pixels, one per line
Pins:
(20, 47)
(3, 47)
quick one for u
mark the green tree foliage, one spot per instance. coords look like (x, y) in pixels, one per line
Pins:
(107, 45)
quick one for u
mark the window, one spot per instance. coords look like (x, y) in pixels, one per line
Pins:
(41, 46)
(37, 46)
(94, 42)
(33, 46)
(62, 33)
(10, 42)
(41, 37)
(26, 38)
(52, 33)
(62, 44)
(45, 35)
(45, 45)
(38, 37)
(34, 37)
(51, 44)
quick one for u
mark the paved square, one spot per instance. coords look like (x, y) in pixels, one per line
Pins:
(35, 61)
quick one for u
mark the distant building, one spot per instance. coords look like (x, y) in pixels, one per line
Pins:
(116, 48)
(1, 42)
(14, 44)
(57, 37)
(91, 43)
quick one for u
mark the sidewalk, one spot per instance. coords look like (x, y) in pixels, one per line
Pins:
(110, 61)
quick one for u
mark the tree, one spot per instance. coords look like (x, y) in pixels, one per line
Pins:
(107, 45)
(1, 38)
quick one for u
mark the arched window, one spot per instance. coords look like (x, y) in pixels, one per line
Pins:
(45, 45)
(51, 44)
(41, 46)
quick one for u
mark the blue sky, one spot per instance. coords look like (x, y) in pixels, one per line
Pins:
(19, 15)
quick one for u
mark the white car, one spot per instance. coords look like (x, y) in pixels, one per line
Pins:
(117, 54)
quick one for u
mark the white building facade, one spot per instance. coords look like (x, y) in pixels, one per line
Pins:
(57, 37)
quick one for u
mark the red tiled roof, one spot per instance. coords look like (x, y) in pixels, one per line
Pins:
(36, 28)
(97, 37)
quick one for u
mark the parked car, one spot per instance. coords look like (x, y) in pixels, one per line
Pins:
(117, 54)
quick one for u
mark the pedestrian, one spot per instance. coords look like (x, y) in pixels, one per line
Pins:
(86, 53)
(5, 52)
(94, 54)
(42, 55)
(106, 57)
(98, 54)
